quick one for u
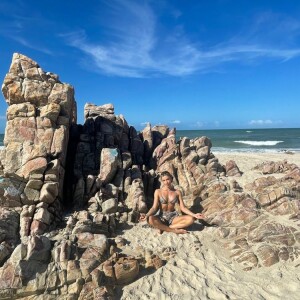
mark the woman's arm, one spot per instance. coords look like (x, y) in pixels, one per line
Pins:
(153, 209)
(185, 210)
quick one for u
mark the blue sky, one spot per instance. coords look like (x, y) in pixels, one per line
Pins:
(189, 64)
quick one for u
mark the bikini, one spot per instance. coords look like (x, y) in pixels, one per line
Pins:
(162, 200)
(167, 217)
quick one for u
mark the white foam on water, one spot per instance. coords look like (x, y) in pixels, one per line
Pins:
(253, 150)
(248, 131)
(259, 143)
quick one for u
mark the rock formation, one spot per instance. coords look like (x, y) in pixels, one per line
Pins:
(40, 113)
(64, 189)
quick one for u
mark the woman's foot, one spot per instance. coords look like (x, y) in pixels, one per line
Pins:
(179, 231)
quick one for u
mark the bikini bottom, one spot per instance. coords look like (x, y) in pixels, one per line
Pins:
(167, 217)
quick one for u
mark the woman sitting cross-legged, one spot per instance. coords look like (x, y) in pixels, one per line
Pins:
(167, 219)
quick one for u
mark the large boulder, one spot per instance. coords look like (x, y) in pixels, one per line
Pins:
(41, 110)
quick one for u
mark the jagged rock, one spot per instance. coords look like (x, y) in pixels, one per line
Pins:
(110, 162)
(25, 263)
(43, 215)
(5, 251)
(91, 110)
(148, 182)
(275, 167)
(33, 137)
(109, 206)
(126, 159)
(9, 225)
(232, 169)
(159, 132)
(11, 192)
(136, 147)
(147, 137)
(136, 197)
(118, 270)
(49, 192)
(111, 173)
(93, 291)
(87, 239)
(203, 146)
(166, 151)
(233, 184)
(78, 197)
(50, 111)
(20, 110)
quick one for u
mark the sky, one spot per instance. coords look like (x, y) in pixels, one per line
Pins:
(189, 64)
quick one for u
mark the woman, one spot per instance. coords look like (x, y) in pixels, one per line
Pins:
(165, 199)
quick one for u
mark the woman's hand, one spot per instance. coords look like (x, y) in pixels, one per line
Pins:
(143, 217)
(199, 216)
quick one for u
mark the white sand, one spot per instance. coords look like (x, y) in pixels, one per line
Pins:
(201, 267)
(247, 161)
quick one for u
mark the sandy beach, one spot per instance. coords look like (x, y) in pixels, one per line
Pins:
(247, 161)
(199, 267)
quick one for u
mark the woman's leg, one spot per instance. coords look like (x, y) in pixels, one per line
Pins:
(156, 223)
(182, 221)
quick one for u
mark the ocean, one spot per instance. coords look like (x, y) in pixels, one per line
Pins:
(244, 140)
(249, 140)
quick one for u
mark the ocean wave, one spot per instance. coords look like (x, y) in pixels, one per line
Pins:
(248, 131)
(259, 143)
(253, 150)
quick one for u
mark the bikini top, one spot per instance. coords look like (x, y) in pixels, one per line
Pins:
(164, 201)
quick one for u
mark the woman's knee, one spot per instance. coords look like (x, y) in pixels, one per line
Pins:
(190, 220)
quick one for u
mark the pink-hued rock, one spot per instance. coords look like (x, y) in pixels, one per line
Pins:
(271, 167)
(33, 137)
(37, 165)
(110, 162)
(49, 192)
(111, 173)
(92, 110)
(37, 227)
(120, 270)
(136, 196)
(50, 111)
(232, 169)
(87, 239)
(22, 110)
(43, 215)
(166, 151)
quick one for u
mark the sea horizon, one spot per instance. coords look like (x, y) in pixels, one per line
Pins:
(270, 140)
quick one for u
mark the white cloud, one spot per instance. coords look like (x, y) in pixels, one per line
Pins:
(135, 48)
(176, 122)
(261, 122)
(31, 45)
(199, 124)
(144, 123)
